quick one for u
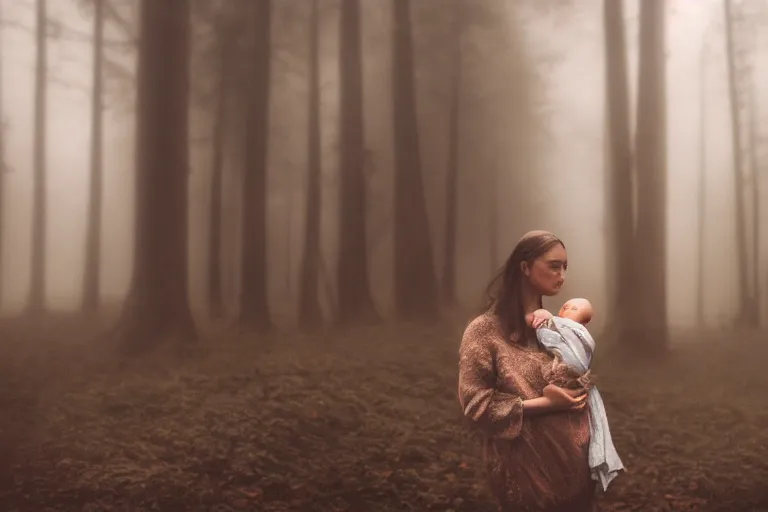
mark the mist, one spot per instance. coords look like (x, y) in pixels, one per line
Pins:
(384, 213)
(566, 155)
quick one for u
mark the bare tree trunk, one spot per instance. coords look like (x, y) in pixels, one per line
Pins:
(620, 166)
(755, 166)
(92, 271)
(493, 228)
(449, 264)
(415, 281)
(157, 306)
(254, 307)
(741, 213)
(3, 170)
(215, 292)
(702, 188)
(310, 314)
(650, 317)
(289, 238)
(355, 302)
(39, 207)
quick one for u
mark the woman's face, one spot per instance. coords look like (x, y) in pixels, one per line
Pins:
(546, 274)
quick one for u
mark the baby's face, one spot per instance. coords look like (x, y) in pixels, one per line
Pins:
(578, 310)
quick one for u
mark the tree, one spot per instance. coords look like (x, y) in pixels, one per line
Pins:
(354, 293)
(415, 280)
(745, 304)
(619, 190)
(103, 10)
(92, 270)
(700, 293)
(474, 61)
(254, 307)
(157, 304)
(39, 207)
(309, 307)
(743, 20)
(3, 168)
(755, 214)
(452, 171)
(650, 317)
(224, 48)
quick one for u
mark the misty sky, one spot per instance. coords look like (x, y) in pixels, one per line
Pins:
(574, 147)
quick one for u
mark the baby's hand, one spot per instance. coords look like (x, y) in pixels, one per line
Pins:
(538, 317)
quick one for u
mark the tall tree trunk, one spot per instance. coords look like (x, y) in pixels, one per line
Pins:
(700, 292)
(650, 261)
(493, 223)
(215, 292)
(39, 207)
(415, 281)
(92, 270)
(620, 165)
(754, 108)
(157, 306)
(738, 169)
(309, 309)
(289, 207)
(254, 307)
(449, 265)
(355, 302)
(3, 170)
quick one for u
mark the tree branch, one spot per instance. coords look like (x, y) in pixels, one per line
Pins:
(118, 70)
(59, 32)
(55, 79)
(114, 15)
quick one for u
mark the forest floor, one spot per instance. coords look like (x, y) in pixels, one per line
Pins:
(364, 420)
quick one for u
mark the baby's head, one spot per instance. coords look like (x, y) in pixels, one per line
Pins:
(578, 310)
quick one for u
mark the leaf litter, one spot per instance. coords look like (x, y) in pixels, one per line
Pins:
(364, 419)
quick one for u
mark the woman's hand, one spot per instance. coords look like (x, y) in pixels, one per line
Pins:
(562, 399)
(555, 399)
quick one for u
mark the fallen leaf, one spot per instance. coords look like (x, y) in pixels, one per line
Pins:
(253, 494)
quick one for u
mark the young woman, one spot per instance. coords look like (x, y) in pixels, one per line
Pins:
(535, 447)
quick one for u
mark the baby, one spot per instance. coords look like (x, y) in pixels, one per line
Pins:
(579, 310)
(562, 375)
(567, 339)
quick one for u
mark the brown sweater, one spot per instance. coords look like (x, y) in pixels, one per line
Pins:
(532, 463)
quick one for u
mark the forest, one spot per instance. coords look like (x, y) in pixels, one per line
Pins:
(240, 242)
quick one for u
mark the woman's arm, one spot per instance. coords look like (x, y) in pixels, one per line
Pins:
(496, 413)
(538, 406)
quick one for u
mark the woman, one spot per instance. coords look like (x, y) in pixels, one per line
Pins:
(535, 447)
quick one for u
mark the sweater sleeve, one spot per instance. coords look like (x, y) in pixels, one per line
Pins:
(495, 413)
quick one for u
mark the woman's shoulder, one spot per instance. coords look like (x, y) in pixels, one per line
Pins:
(482, 329)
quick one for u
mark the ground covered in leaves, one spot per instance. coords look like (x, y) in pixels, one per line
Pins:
(361, 420)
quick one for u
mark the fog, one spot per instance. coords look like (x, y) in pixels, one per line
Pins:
(292, 343)
(67, 159)
(567, 168)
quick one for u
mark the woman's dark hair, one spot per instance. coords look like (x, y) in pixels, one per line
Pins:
(504, 294)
